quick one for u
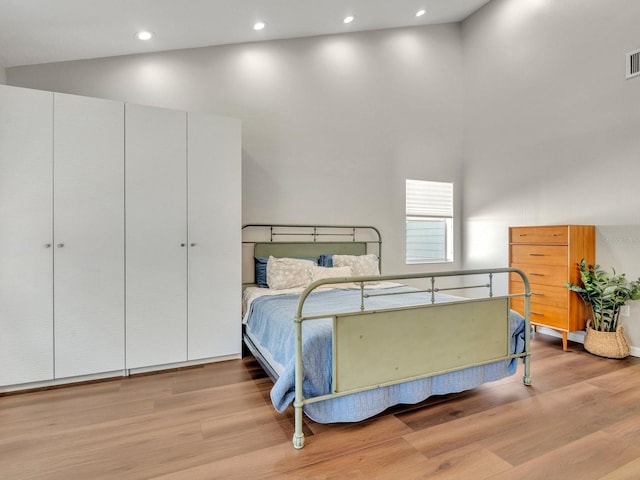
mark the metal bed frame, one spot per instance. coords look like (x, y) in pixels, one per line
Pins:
(378, 348)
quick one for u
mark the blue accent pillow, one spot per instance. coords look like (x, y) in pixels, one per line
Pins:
(325, 261)
(261, 271)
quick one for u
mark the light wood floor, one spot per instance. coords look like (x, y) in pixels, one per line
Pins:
(579, 420)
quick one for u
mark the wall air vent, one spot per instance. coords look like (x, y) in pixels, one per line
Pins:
(633, 64)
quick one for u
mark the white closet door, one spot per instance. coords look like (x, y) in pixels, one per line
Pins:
(214, 236)
(156, 236)
(26, 259)
(88, 235)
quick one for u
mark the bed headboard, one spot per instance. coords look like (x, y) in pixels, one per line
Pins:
(302, 250)
(303, 241)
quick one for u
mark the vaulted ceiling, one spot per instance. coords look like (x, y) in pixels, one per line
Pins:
(43, 31)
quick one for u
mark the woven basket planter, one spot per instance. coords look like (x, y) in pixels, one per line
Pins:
(607, 344)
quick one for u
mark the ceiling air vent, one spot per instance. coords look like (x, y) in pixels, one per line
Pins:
(633, 64)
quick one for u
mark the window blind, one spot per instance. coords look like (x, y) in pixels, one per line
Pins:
(429, 199)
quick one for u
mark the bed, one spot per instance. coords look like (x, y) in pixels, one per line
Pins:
(344, 344)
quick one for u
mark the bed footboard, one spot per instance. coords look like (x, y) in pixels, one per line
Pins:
(373, 349)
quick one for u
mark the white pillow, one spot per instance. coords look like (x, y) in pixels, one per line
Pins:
(288, 272)
(319, 273)
(361, 265)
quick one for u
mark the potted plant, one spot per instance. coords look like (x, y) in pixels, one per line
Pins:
(605, 295)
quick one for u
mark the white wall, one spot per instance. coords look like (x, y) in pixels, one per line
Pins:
(552, 133)
(3, 75)
(332, 126)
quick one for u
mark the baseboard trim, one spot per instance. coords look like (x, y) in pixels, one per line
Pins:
(108, 376)
(181, 365)
(61, 382)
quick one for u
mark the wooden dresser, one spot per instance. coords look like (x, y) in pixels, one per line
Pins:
(549, 255)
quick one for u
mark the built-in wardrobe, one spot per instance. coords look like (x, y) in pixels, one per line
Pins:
(119, 238)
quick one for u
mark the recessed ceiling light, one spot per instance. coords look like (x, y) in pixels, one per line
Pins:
(348, 19)
(144, 35)
(420, 13)
(259, 25)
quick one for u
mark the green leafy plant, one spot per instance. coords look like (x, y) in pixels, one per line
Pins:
(604, 294)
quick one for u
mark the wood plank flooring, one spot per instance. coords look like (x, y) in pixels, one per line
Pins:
(580, 419)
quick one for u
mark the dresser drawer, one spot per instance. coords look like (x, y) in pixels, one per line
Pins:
(550, 234)
(539, 254)
(544, 294)
(540, 314)
(552, 275)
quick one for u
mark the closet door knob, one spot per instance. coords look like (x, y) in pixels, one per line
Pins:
(183, 244)
(193, 244)
(60, 245)
(47, 245)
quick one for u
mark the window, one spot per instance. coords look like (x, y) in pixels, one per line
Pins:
(429, 221)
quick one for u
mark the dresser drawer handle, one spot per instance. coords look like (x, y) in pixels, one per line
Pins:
(537, 274)
(537, 294)
(522, 235)
(536, 254)
(537, 313)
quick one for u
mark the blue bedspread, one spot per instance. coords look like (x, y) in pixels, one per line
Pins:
(270, 324)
